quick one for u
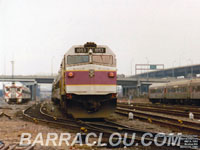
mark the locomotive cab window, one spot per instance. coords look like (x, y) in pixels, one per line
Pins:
(104, 59)
(77, 59)
(13, 89)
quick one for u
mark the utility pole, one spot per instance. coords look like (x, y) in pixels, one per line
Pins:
(52, 65)
(191, 76)
(4, 65)
(173, 68)
(148, 66)
(12, 62)
(132, 66)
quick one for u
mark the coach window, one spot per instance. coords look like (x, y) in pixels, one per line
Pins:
(159, 91)
(104, 59)
(194, 88)
(198, 89)
(173, 90)
(153, 91)
(77, 59)
(184, 89)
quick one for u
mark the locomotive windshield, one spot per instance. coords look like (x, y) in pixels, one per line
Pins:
(103, 59)
(76, 59)
(13, 89)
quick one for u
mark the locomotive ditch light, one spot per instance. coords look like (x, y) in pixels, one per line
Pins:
(111, 74)
(70, 74)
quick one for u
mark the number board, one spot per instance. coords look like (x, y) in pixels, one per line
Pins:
(81, 50)
(85, 50)
(99, 50)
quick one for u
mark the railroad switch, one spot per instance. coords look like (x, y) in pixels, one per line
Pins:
(83, 134)
(180, 121)
(83, 130)
(35, 120)
(119, 129)
(149, 119)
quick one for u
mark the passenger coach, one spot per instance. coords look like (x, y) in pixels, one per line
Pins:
(16, 93)
(177, 92)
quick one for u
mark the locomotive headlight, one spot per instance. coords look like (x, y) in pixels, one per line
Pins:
(19, 100)
(111, 74)
(70, 74)
(114, 95)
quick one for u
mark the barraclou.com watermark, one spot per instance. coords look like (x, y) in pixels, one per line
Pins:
(114, 140)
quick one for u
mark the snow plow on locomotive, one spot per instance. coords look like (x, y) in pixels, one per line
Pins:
(86, 83)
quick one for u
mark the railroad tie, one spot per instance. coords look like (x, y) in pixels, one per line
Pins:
(12, 147)
(3, 114)
(30, 148)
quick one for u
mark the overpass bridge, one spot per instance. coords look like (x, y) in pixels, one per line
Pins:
(184, 71)
(28, 78)
(135, 84)
(138, 85)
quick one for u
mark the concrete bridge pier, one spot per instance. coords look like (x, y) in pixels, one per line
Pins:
(138, 88)
(34, 90)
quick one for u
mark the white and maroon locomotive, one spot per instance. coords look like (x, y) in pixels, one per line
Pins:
(86, 85)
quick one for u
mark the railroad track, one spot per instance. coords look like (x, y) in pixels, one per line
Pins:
(164, 109)
(15, 147)
(35, 114)
(104, 124)
(107, 127)
(179, 107)
(180, 125)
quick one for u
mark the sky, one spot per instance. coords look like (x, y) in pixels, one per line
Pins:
(37, 33)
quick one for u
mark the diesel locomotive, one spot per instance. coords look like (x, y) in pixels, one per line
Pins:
(86, 84)
(176, 92)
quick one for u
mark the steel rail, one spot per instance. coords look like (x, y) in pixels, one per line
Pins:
(36, 114)
(15, 147)
(164, 120)
(47, 119)
(172, 111)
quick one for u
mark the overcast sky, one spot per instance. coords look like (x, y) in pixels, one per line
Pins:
(37, 33)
